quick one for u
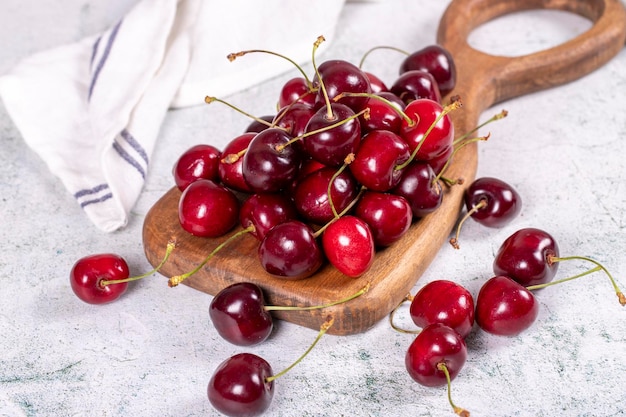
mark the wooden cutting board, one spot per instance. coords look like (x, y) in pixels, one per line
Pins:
(483, 80)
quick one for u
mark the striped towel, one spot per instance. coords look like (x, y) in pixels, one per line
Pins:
(92, 110)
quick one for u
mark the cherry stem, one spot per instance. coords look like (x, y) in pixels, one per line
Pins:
(493, 118)
(401, 113)
(177, 279)
(319, 307)
(329, 111)
(620, 295)
(455, 240)
(402, 51)
(457, 410)
(323, 329)
(447, 109)
(348, 160)
(407, 298)
(559, 281)
(168, 250)
(344, 211)
(209, 100)
(232, 56)
(456, 149)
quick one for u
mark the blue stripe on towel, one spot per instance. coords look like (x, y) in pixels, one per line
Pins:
(90, 192)
(128, 158)
(136, 146)
(104, 57)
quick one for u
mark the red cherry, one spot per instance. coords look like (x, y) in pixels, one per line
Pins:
(414, 85)
(200, 161)
(290, 250)
(264, 211)
(498, 201)
(445, 302)
(294, 119)
(504, 307)
(341, 76)
(388, 215)
(376, 84)
(424, 113)
(436, 344)
(296, 90)
(435, 60)
(376, 161)
(349, 245)
(257, 125)
(239, 386)
(420, 188)
(230, 166)
(525, 256)
(88, 273)
(207, 209)
(239, 316)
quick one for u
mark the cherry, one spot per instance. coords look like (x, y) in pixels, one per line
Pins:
(260, 124)
(311, 194)
(88, 273)
(389, 216)
(268, 165)
(240, 388)
(207, 209)
(526, 257)
(383, 114)
(419, 186)
(505, 307)
(338, 76)
(199, 161)
(376, 161)
(294, 118)
(230, 166)
(296, 90)
(435, 60)
(376, 84)
(349, 245)
(239, 316)
(491, 202)
(428, 128)
(264, 211)
(290, 250)
(446, 302)
(415, 84)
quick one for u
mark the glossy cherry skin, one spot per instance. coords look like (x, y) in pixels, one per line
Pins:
(415, 84)
(504, 307)
(446, 302)
(332, 146)
(525, 257)
(376, 84)
(419, 188)
(311, 194)
(503, 202)
(376, 161)
(341, 76)
(383, 115)
(231, 172)
(435, 344)
(267, 169)
(239, 315)
(207, 209)
(388, 215)
(257, 126)
(423, 114)
(294, 119)
(238, 387)
(435, 60)
(349, 245)
(88, 273)
(296, 90)
(264, 211)
(290, 250)
(199, 161)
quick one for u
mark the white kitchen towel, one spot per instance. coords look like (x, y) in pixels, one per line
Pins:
(92, 110)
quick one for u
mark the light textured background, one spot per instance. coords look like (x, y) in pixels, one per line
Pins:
(152, 352)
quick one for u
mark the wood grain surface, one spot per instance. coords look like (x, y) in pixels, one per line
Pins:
(482, 81)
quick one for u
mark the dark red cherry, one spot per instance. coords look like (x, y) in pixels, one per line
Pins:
(257, 126)
(207, 209)
(504, 307)
(446, 302)
(290, 250)
(388, 215)
(341, 76)
(438, 163)
(264, 211)
(239, 315)
(296, 90)
(499, 202)
(376, 162)
(199, 161)
(238, 387)
(332, 146)
(88, 273)
(435, 60)
(294, 119)
(230, 165)
(270, 163)
(423, 114)
(419, 187)
(311, 194)
(376, 84)
(525, 256)
(415, 84)
(349, 245)
(383, 115)
(434, 345)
